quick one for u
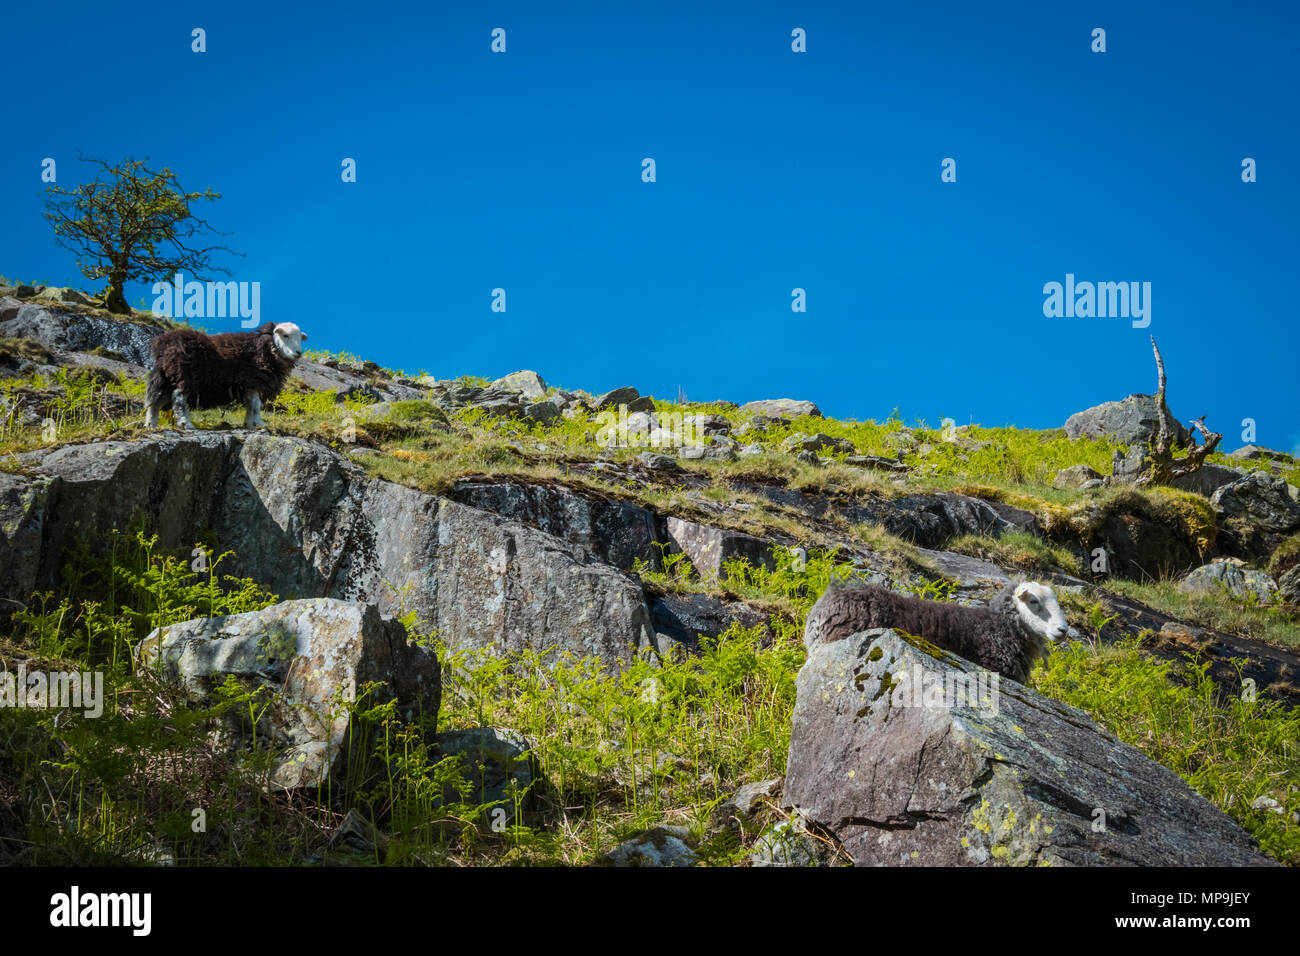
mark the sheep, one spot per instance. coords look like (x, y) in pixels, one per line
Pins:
(1017, 626)
(193, 370)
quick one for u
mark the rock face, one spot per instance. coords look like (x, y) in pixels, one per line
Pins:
(1141, 548)
(682, 619)
(1289, 587)
(930, 520)
(990, 774)
(73, 332)
(527, 383)
(305, 652)
(617, 532)
(1131, 421)
(1255, 514)
(1260, 498)
(304, 522)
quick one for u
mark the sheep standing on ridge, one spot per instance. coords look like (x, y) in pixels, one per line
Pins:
(193, 370)
(1016, 627)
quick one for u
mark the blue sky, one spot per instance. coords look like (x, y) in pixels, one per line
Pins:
(775, 170)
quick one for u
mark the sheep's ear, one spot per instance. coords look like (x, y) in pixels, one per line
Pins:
(304, 336)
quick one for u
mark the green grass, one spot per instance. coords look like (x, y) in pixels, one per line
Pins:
(1218, 611)
(661, 742)
(1018, 549)
(1231, 752)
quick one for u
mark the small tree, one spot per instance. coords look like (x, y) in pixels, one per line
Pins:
(130, 227)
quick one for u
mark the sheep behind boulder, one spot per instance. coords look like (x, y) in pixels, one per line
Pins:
(1016, 627)
(194, 370)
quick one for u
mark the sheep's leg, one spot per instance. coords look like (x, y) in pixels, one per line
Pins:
(181, 410)
(253, 417)
(151, 416)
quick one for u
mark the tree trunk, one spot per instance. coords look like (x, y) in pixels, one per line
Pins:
(115, 301)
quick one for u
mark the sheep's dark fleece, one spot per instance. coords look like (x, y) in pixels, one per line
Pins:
(993, 637)
(215, 370)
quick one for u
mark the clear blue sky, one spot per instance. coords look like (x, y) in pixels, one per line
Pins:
(775, 170)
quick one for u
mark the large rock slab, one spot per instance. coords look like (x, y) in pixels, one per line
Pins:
(1133, 420)
(504, 586)
(988, 773)
(525, 382)
(1141, 548)
(321, 377)
(305, 522)
(311, 655)
(1255, 515)
(617, 532)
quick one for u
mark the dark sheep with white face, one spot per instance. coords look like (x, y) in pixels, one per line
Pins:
(193, 370)
(1017, 627)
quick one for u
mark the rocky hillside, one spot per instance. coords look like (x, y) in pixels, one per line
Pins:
(407, 529)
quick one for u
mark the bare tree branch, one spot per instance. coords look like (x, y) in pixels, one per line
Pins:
(1164, 468)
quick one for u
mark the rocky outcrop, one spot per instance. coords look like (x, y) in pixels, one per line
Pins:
(1260, 498)
(527, 383)
(1142, 548)
(1255, 514)
(817, 443)
(1134, 420)
(658, 846)
(617, 532)
(904, 770)
(1207, 479)
(312, 656)
(1288, 587)
(76, 332)
(681, 619)
(305, 522)
(930, 520)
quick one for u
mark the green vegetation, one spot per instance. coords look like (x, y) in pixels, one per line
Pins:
(661, 742)
(1218, 611)
(1231, 752)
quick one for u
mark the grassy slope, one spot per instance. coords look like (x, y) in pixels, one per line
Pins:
(616, 766)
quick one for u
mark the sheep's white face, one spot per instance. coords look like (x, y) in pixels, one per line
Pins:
(288, 341)
(1040, 611)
